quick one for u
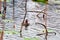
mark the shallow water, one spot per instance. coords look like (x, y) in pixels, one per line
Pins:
(53, 19)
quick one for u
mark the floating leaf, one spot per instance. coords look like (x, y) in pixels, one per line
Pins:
(15, 32)
(26, 38)
(49, 30)
(41, 1)
(7, 20)
(34, 38)
(10, 32)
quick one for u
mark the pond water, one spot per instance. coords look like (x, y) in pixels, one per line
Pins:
(53, 20)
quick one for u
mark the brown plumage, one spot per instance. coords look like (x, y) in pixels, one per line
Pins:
(26, 24)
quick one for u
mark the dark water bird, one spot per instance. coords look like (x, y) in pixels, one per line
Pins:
(25, 24)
